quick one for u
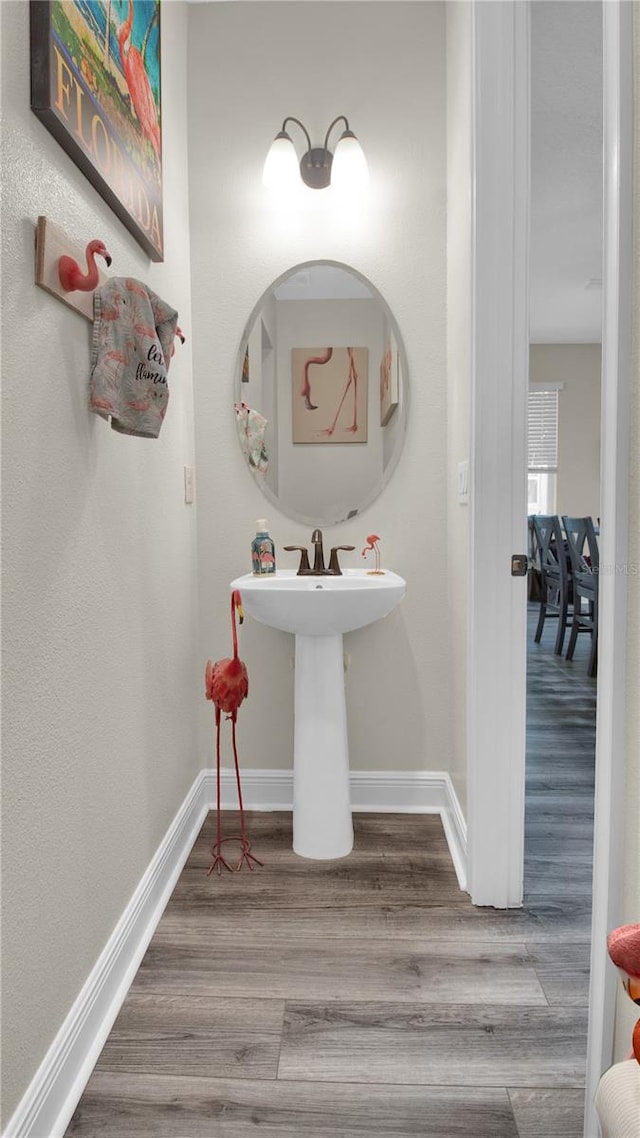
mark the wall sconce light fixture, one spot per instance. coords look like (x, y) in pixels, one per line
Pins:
(318, 167)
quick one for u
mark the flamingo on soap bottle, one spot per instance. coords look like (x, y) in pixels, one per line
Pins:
(137, 80)
(227, 686)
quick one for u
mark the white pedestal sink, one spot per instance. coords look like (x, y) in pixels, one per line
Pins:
(318, 610)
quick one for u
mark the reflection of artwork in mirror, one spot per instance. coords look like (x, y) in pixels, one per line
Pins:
(330, 394)
(389, 378)
(245, 367)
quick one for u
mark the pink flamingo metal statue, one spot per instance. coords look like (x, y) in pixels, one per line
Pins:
(70, 274)
(227, 685)
(137, 80)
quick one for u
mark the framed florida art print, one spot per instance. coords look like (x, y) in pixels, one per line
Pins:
(95, 84)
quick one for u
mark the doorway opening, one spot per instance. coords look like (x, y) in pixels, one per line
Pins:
(564, 431)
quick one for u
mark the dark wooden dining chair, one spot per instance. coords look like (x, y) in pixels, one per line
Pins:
(534, 575)
(552, 564)
(585, 567)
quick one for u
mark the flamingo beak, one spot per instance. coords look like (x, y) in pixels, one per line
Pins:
(107, 259)
(240, 611)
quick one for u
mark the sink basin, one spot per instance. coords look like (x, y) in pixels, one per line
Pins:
(320, 606)
(318, 610)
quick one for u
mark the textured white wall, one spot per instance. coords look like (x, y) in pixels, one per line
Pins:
(578, 368)
(381, 64)
(99, 582)
(458, 357)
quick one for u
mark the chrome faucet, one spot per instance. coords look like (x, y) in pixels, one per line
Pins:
(319, 569)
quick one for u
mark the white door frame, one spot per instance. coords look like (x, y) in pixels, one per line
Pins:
(496, 658)
(614, 499)
(496, 644)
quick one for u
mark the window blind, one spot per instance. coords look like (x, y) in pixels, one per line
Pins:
(543, 430)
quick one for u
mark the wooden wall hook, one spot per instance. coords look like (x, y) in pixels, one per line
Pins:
(53, 246)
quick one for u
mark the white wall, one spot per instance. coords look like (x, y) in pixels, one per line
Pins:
(382, 64)
(100, 674)
(578, 368)
(458, 357)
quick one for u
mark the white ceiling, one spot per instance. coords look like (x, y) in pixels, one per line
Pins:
(566, 171)
(323, 282)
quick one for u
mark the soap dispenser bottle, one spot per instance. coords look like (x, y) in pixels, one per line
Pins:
(263, 551)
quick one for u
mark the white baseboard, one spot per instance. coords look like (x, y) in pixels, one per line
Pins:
(55, 1090)
(402, 792)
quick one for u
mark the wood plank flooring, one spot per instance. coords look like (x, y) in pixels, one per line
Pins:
(367, 996)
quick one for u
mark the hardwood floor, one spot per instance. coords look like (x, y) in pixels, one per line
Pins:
(367, 996)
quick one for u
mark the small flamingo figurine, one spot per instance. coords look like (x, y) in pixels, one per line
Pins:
(227, 685)
(372, 544)
(71, 276)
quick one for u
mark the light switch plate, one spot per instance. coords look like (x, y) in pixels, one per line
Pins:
(463, 482)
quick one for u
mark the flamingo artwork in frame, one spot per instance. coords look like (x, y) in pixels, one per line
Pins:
(330, 394)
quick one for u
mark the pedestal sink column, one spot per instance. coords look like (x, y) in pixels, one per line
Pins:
(322, 824)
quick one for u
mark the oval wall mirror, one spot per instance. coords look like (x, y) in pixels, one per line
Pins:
(321, 393)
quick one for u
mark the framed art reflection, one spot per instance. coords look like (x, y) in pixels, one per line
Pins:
(330, 394)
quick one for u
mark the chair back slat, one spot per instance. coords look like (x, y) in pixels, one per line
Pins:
(550, 550)
(583, 546)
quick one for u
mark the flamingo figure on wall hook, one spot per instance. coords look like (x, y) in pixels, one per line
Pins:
(227, 685)
(137, 81)
(71, 276)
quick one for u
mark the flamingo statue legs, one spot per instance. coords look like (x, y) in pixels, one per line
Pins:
(227, 685)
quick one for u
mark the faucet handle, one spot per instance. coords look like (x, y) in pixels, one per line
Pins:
(334, 567)
(304, 568)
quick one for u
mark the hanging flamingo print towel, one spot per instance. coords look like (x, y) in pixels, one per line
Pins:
(133, 334)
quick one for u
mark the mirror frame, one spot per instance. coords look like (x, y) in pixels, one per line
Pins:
(293, 515)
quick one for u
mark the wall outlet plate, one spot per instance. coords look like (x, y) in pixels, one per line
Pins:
(188, 485)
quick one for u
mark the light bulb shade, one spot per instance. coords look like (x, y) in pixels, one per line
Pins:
(281, 170)
(349, 170)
